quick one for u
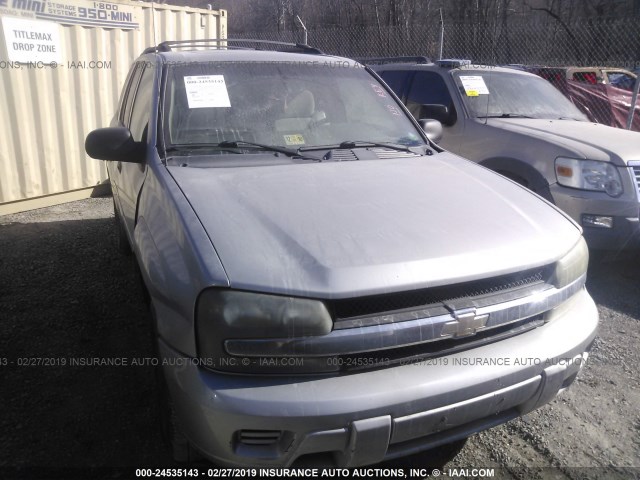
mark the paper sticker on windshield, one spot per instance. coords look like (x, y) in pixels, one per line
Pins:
(474, 85)
(206, 91)
(294, 139)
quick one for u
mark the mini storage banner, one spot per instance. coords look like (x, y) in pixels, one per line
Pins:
(73, 12)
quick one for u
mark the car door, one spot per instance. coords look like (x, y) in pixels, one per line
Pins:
(130, 176)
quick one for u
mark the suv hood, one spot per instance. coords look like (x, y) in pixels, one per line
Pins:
(343, 229)
(589, 140)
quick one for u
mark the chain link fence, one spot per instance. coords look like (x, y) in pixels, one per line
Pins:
(605, 97)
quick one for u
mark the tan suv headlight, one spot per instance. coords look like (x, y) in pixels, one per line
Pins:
(589, 175)
(572, 266)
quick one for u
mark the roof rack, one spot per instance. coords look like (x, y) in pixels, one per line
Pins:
(170, 45)
(404, 59)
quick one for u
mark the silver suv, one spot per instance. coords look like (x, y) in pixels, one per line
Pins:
(519, 125)
(325, 281)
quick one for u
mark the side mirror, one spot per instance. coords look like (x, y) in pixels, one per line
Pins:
(438, 112)
(114, 143)
(433, 129)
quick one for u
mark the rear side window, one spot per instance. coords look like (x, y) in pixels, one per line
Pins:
(586, 77)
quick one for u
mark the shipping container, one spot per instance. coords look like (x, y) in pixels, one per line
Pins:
(62, 66)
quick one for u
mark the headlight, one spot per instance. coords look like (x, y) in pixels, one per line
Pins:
(228, 314)
(589, 175)
(572, 266)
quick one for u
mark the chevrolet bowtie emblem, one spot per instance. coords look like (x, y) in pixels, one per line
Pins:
(466, 323)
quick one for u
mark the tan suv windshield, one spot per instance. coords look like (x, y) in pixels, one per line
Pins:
(512, 95)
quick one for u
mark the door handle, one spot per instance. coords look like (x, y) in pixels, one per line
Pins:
(119, 167)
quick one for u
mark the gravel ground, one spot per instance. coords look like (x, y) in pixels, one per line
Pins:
(65, 294)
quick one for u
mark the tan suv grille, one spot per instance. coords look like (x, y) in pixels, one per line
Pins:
(635, 172)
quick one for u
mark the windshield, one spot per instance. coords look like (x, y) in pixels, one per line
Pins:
(280, 104)
(500, 94)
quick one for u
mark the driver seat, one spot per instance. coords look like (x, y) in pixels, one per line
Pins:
(299, 114)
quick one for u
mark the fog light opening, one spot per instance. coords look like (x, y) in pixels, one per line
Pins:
(598, 221)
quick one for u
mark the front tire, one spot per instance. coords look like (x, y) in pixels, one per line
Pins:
(172, 432)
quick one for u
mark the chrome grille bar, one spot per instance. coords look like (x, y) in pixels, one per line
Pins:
(407, 333)
(635, 174)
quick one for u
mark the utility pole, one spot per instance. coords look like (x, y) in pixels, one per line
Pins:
(441, 33)
(634, 101)
(305, 38)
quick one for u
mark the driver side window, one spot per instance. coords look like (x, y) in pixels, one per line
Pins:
(142, 105)
(429, 88)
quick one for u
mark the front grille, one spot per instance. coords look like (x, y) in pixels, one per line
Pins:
(422, 353)
(426, 297)
(635, 172)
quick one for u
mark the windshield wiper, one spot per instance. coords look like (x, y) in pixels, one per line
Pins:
(177, 147)
(507, 115)
(233, 146)
(349, 144)
(272, 148)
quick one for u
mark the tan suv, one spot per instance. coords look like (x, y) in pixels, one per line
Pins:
(517, 124)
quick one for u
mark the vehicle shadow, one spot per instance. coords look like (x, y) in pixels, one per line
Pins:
(78, 386)
(614, 281)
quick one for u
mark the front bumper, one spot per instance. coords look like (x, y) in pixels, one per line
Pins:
(625, 212)
(364, 418)
(625, 235)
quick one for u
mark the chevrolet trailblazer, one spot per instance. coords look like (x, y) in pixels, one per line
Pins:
(321, 274)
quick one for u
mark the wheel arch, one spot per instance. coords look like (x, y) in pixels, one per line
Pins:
(522, 173)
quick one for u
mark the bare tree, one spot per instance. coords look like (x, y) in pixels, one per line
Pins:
(575, 44)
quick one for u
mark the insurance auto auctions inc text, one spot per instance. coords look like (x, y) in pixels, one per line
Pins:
(371, 473)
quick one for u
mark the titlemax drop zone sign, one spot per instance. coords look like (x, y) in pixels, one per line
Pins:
(31, 40)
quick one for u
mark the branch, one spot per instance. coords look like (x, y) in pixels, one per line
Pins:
(566, 28)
